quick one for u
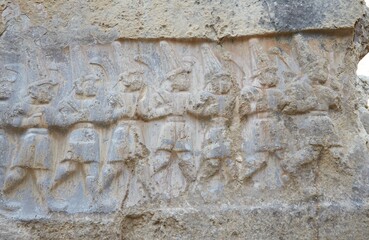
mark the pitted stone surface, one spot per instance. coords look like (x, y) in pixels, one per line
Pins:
(60, 22)
(171, 135)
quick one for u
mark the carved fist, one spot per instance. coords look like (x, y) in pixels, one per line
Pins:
(204, 97)
(250, 93)
(17, 110)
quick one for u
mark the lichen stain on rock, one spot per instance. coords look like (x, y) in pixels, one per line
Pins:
(192, 119)
(290, 15)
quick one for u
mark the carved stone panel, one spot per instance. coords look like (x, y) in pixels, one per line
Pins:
(97, 128)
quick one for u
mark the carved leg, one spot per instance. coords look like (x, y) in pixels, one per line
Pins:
(65, 169)
(2, 176)
(341, 160)
(110, 172)
(91, 170)
(161, 160)
(337, 153)
(251, 164)
(164, 152)
(14, 179)
(185, 162)
(210, 168)
(42, 179)
(308, 154)
(231, 169)
(143, 175)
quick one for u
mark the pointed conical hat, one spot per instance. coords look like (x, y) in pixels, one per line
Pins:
(170, 59)
(259, 58)
(78, 61)
(211, 63)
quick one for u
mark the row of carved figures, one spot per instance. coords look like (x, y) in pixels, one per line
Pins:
(137, 94)
(261, 111)
(287, 123)
(171, 167)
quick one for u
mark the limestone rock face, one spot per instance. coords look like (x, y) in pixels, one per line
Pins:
(60, 22)
(126, 120)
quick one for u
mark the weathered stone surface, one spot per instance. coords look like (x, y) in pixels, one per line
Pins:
(104, 21)
(261, 135)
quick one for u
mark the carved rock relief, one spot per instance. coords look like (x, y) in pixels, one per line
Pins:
(98, 128)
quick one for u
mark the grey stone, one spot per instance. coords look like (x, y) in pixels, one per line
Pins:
(183, 119)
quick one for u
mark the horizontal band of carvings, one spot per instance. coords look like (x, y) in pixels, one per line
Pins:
(96, 128)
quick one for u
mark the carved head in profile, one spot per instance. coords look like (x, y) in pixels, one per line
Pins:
(41, 92)
(267, 77)
(132, 81)
(6, 87)
(177, 70)
(86, 86)
(217, 79)
(179, 80)
(312, 63)
(219, 83)
(317, 71)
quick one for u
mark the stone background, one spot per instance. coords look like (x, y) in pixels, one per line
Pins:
(314, 188)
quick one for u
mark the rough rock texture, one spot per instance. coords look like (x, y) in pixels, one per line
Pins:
(183, 119)
(104, 20)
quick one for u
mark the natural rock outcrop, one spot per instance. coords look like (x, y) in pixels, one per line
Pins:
(183, 119)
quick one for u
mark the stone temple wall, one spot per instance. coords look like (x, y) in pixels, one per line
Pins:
(183, 119)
